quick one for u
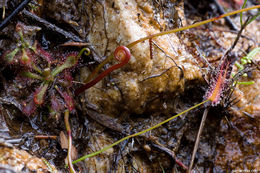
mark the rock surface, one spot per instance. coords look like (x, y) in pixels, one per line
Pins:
(115, 23)
(21, 161)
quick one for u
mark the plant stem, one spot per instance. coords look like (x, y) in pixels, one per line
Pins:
(203, 120)
(241, 14)
(84, 50)
(191, 26)
(67, 124)
(125, 52)
(137, 134)
(91, 76)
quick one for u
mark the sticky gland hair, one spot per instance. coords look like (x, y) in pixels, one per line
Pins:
(215, 91)
(122, 54)
(218, 84)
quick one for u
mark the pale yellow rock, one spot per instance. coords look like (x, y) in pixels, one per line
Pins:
(20, 160)
(125, 22)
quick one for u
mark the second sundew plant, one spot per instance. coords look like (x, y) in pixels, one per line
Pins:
(51, 72)
(212, 97)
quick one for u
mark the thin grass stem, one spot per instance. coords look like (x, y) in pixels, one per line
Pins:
(191, 26)
(136, 134)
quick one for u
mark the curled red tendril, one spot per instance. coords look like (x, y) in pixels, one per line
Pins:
(122, 54)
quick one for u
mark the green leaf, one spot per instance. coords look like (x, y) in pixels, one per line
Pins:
(252, 54)
(39, 94)
(241, 14)
(31, 75)
(246, 83)
(10, 56)
(25, 59)
(70, 62)
(253, 18)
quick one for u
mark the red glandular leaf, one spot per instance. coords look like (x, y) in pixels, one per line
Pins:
(71, 61)
(64, 56)
(68, 99)
(219, 83)
(10, 56)
(39, 94)
(68, 78)
(55, 103)
(29, 108)
(26, 58)
(44, 54)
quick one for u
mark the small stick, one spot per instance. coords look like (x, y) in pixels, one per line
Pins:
(171, 153)
(48, 165)
(198, 138)
(75, 44)
(151, 48)
(105, 120)
(14, 13)
(45, 137)
(227, 19)
(157, 75)
(51, 26)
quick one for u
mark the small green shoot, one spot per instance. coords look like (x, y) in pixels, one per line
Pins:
(48, 165)
(245, 83)
(247, 60)
(10, 56)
